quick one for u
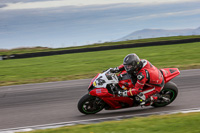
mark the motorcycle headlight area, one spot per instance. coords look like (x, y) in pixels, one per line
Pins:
(94, 83)
(99, 81)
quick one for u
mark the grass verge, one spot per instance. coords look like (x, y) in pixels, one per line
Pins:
(87, 65)
(175, 123)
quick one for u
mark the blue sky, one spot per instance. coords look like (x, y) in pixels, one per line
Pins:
(64, 23)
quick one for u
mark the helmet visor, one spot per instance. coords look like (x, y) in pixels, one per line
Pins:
(129, 68)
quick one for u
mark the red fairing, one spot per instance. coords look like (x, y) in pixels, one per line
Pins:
(169, 73)
(125, 84)
(91, 82)
(100, 92)
(112, 100)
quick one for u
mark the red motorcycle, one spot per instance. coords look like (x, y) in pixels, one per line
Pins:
(102, 92)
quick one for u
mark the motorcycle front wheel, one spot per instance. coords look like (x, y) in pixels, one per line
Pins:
(90, 104)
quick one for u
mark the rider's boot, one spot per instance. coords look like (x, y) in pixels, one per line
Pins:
(151, 100)
(154, 98)
(141, 98)
(146, 102)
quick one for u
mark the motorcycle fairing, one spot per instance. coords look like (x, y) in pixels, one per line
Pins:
(114, 101)
(169, 73)
(91, 82)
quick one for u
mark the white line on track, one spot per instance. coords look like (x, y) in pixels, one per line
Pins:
(55, 125)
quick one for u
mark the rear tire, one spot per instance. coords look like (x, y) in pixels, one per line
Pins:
(171, 91)
(90, 105)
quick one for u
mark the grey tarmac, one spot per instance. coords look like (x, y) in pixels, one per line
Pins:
(56, 102)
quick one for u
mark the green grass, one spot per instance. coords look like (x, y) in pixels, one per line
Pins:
(87, 65)
(46, 49)
(176, 123)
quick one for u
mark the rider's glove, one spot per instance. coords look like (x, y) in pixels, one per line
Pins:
(114, 70)
(122, 93)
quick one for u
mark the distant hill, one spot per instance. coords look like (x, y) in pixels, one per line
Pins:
(154, 33)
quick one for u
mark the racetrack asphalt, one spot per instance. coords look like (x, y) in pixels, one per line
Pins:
(55, 102)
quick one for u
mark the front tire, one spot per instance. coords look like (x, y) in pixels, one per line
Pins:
(90, 105)
(170, 91)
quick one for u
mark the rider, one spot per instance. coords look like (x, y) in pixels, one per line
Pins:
(150, 80)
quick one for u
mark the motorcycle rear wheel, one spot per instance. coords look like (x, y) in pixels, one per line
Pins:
(90, 105)
(170, 91)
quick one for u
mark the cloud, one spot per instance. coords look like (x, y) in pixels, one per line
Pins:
(2, 5)
(85, 16)
(22, 1)
(166, 14)
(32, 4)
(69, 23)
(97, 14)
